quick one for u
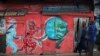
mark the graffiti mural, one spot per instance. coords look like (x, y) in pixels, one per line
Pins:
(57, 34)
(39, 35)
(55, 29)
(11, 34)
(30, 39)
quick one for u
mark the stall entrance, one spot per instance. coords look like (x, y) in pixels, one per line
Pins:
(77, 28)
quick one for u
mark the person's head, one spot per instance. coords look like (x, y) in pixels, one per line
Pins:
(83, 24)
(91, 22)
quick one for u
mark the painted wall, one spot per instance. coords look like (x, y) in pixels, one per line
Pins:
(48, 45)
(22, 32)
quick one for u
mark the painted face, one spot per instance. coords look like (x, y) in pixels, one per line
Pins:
(12, 22)
(55, 28)
(31, 25)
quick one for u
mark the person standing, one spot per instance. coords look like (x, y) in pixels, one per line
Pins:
(82, 43)
(92, 37)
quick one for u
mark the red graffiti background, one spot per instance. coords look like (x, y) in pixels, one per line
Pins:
(47, 45)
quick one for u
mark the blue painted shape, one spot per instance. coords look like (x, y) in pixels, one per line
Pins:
(55, 28)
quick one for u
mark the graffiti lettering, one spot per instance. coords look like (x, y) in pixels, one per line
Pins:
(13, 12)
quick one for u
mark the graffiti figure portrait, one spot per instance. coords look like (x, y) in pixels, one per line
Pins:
(11, 34)
(55, 29)
(30, 40)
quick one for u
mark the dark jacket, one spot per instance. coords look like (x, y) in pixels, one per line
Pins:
(92, 32)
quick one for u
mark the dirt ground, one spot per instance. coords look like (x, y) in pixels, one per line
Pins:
(66, 54)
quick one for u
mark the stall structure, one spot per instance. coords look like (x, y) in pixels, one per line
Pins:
(42, 28)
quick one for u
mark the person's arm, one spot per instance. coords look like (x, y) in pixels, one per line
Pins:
(43, 37)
